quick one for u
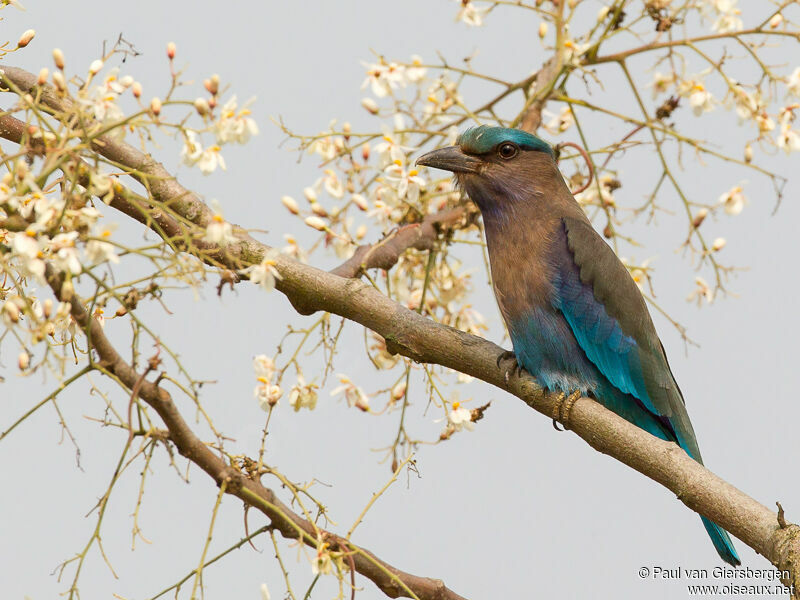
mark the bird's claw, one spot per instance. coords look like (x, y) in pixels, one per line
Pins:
(562, 408)
(515, 368)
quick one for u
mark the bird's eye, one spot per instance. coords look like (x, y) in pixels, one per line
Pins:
(507, 150)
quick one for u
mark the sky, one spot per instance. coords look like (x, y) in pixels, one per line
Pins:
(511, 509)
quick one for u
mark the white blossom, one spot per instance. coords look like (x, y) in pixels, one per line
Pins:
(700, 99)
(788, 140)
(233, 126)
(407, 183)
(415, 72)
(293, 249)
(559, 123)
(733, 200)
(267, 394)
(192, 149)
(219, 232)
(100, 251)
(460, 417)
(264, 273)
(65, 254)
(471, 15)
(793, 83)
(264, 366)
(728, 18)
(702, 292)
(383, 77)
(210, 159)
(354, 395)
(303, 395)
(661, 83)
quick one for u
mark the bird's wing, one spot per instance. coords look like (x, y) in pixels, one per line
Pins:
(610, 320)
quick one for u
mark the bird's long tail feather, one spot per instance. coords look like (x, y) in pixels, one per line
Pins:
(722, 542)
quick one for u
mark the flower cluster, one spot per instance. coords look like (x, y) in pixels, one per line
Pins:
(229, 125)
(266, 392)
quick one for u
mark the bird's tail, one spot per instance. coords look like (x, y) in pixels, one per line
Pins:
(722, 542)
(630, 409)
(719, 537)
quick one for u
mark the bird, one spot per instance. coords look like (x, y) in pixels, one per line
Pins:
(577, 320)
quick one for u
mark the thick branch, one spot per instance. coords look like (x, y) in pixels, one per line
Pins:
(421, 236)
(391, 580)
(424, 340)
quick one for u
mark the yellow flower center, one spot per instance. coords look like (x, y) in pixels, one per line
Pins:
(218, 218)
(456, 405)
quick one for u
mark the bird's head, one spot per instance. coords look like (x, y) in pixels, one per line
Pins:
(499, 167)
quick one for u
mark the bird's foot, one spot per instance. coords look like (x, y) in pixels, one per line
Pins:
(515, 368)
(562, 408)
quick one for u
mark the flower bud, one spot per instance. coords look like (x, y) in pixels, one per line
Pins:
(212, 84)
(776, 20)
(126, 81)
(43, 74)
(361, 232)
(95, 67)
(365, 152)
(171, 50)
(67, 290)
(59, 81)
(155, 106)
(315, 223)
(58, 58)
(202, 107)
(11, 311)
(748, 153)
(136, 88)
(318, 209)
(310, 194)
(23, 360)
(360, 201)
(370, 105)
(47, 308)
(362, 403)
(399, 390)
(290, 204)
(26, 38)
(346, 129)
(699, 217)
(542, 30)
(274, 394)
(718, 244)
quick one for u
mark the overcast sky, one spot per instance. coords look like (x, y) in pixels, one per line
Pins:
(512, 509)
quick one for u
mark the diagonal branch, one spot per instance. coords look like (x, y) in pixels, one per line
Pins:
(421, 339)
(420, 236)
(392, 581)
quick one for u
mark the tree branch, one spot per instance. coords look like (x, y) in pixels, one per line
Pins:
(420, 236)
(421, 339)
(392, 581)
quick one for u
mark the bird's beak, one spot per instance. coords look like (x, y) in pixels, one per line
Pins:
(450, 158)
